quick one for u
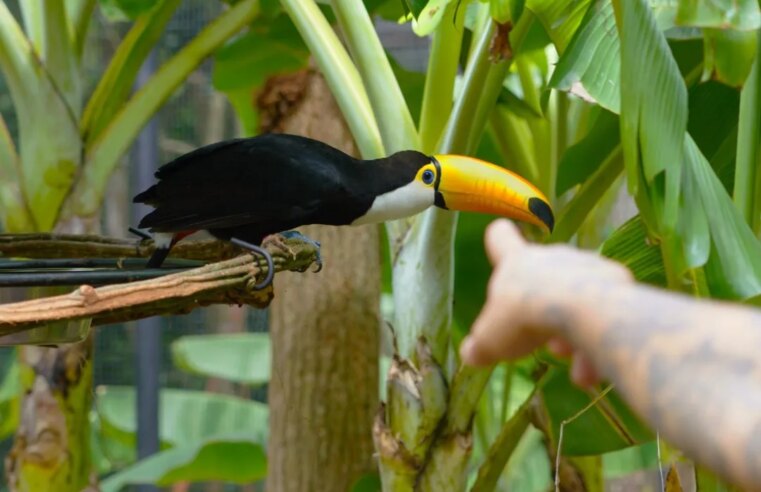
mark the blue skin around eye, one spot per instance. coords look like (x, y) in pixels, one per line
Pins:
(428, 177)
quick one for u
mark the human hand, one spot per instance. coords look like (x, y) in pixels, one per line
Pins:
(535, 296)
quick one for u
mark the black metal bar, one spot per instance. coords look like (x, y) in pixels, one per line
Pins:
(92, 277)
(148, 330)
(113, 263)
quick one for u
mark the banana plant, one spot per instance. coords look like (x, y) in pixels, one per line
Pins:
(54, 174)
(613, 109)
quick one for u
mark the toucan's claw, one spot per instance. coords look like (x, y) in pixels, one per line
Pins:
(317, 245)
(263, 252)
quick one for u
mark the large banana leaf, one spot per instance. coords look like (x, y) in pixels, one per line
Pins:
(231, 458)
(590, 67)
(186, 417)
(240, 357)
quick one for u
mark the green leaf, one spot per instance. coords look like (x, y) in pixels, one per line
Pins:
(747, 185)
(729, 55)
(560, 18)
(734, 267)
(654, 97)
(629, 460)
(241, 357)
(610, 422)
(266, 50)
(630, 246)
(212, 414)
(235, 460)
(14, 215)
(713, 112)
(583, 158)
(722, 14)
(590, 66)
(48, 167)
(367, 483)
(10, 399)
(430, 17)
(122, 10)
(502, 448)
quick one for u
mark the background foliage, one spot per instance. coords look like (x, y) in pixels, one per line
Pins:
(640, 120)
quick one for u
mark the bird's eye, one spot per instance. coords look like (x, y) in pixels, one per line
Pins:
(428, 176)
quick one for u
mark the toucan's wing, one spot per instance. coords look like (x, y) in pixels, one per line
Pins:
(268, 179)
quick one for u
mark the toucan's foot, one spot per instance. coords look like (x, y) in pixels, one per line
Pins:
(260, 251)
(278, 240)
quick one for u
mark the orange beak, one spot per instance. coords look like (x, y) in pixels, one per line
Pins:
(473, 185)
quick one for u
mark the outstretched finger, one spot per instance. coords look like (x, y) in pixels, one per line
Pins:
(502, 239)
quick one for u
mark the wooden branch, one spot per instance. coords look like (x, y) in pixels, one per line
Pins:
(225, 282)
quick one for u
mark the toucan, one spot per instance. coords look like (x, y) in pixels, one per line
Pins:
(245, 189)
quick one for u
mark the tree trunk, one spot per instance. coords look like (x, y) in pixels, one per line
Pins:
(52, 444)
(323, 393)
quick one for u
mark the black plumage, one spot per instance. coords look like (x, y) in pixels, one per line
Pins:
(252, 187)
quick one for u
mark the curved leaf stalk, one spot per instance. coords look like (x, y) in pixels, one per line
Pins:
(393, 116)
(440, 77)
(47, 167)
(104, 153)
(502, 449)
(341, 74)
(32, 14)
(80, 13)
(14, 215)
(747, 192)
(513, 137)
(394, 120)
(118, 80)
(60, 58)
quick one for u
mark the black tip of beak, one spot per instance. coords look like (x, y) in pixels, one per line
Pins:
(542, 211)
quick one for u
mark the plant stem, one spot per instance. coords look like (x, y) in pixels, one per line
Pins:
(340, 73)
(119, 77)
(462, 118)
(586, 198)
(513, 137)
(499, 454)
(386, 98)
(747, 192)
(439, 80)
(481, 84)
(80, 14)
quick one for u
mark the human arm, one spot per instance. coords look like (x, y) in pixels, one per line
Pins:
(691, 368)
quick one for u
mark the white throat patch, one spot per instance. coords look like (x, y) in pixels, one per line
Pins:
(402, 202)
